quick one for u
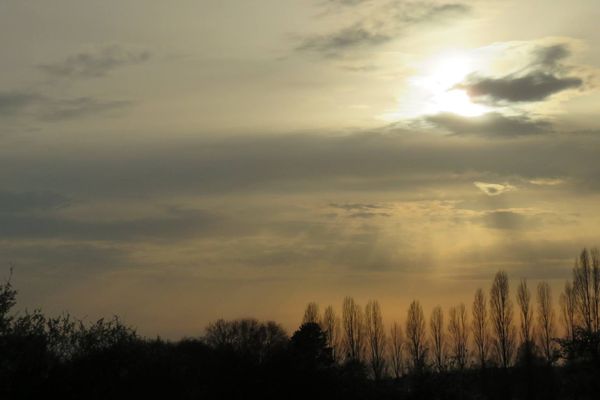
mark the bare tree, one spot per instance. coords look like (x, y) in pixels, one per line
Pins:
(331, 325)
(396, 349)
(596, 288)
(586, 288)
(353, 329)
(311, 313)
(376, 338)
(479, 326)
(459, 335)
(525, 312)
(545, 320)
(502, 319)
(438, 342)
(415, 332)
(567, 308)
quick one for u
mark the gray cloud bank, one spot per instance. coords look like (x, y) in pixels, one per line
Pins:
(364, 161)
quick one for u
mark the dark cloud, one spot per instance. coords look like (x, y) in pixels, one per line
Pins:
(535, 86)
(399, 161)
(508, 220)
(356, 35)
(362, 210)
(550, 57)
(46, 258)
(12, 103)
(366, 214)
(521, 220)
(97, 63)
(383, 25)
(173, 224)
(26, 201)
(544, 77)
(356, 206)
(47, 108)
(491, 124)
(64, 109)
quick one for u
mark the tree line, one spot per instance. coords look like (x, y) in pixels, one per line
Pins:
(495, 333)
(504, 346)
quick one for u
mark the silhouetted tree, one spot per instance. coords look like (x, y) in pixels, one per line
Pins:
(247, 336)
(438, 339)
(459, 335)
(525, 311)
(309, 346)
(567, 310)
(396, 349)
(311, 314)
(586, 288)
(353, 329)
(479, 326)
(415, 333)
(545, 321)
(7, 301)
(331, 325)
(376, 338)
(502, 319)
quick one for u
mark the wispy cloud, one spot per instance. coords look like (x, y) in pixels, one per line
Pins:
(95, 63)
(383, 24)
(47, 108)
(493, 124)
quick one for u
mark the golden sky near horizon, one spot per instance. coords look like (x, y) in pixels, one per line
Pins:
(174, 164)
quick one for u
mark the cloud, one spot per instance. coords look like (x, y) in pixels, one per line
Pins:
(543, 77)
(366, 214)
(353, 36)
(47, 108)
(494, 189)
(172, 224)
(549, 57)
(65, 109)
(547, 181)
(347, 2)
(384, 24)
(362, 210)
(47, 258)
(12, 103)
(490, 124)
(399, 161)
(26, 201)
(96, 63)
(521, 219)
(508, 220)
(535, 86)
(356, 206)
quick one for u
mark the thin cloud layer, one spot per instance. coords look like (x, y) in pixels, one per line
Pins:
(95, 63)
(493, 124)
(51, 109)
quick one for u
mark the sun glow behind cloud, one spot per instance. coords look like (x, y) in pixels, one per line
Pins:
(434, 91)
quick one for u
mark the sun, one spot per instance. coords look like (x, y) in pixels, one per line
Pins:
(434, 89)
(442, 74)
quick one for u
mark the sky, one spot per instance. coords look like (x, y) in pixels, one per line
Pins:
(177, 163)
